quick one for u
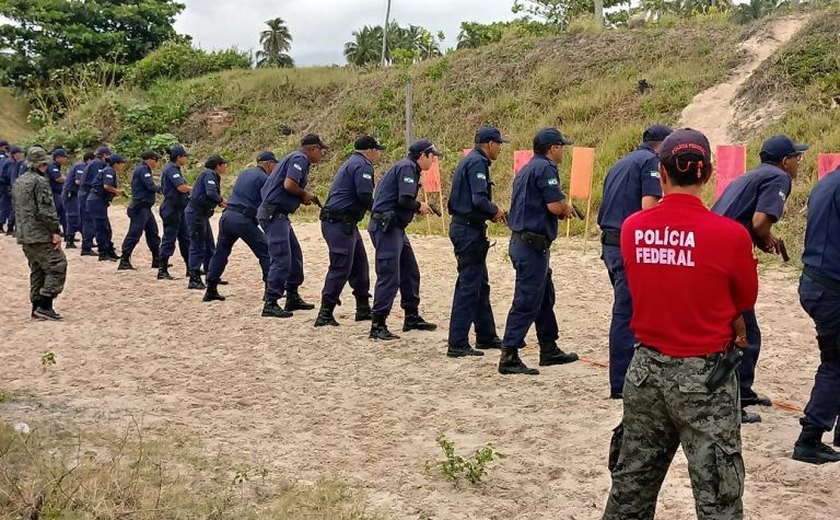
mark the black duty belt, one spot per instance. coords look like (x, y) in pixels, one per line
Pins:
(826, 281)
(388, 219)
(469, 222)
(339, 217)
(535, 241)
(710, 357)
(274, 210)
(611, 238)
(248, 212)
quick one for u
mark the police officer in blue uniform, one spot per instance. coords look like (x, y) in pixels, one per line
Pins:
(350, 197)
(536, 205)
(205, 196)
(103, 153)
(15, 171)
(631, 185)
(176, 197)
(282, 195)
(471, 206)
(57, 183)
(239, 220)
(6, 186)
(757, 201)
(140, 217)
(70, 199)
(394, 206)
(103, 189)
(819, 294)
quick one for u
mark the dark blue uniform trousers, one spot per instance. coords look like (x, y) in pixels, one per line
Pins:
(202, 243)
(348, 262)
(533, 297)
(88, 226)
(141, 220)
(97, 208)
(232, 227)
(5, 205)
(174, 229)
(747, 369)
(396, 269)
(59, 209)
(72, 217)
(824, 308)
(471, 302)
(285, 272)
(622, 340)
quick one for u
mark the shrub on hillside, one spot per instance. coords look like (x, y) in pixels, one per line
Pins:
(182, 61)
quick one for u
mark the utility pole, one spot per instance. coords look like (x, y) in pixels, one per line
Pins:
(409, 113)
(599, 12)
(385, 34)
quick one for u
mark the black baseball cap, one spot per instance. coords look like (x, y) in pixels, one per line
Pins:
(178, 151)
(150, 154)
(59, 152)
(489, 134)
(780, 146)
(3, 142)
(313, 140)
(687, 144)
(214, 161)
(549, 136)
(116, 159)
(103, 150)
(14, 149)
(422, 147)
(266, 156)
(367, 142)
(656, 133)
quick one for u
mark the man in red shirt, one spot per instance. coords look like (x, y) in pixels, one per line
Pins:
(691, 274)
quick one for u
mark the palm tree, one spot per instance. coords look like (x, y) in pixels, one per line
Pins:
(365, 47)
(276, 42)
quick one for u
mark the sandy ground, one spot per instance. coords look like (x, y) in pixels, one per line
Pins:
(309, 402)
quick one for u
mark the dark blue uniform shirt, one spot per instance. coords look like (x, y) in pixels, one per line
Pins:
(70, 188)
(206, 191)
(634, 176)
(20, 169)
(352, 181)
(536, 186)
(53, 173)
(247, 190)
(403, 179)
(91, 171)
(7, 166)
(143, 187)
(822, 247)
(763, 190)
(106, 177)
(170, 179)
(294, 166)
(472, 189)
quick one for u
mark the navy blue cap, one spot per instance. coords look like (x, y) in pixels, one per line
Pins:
(178, 151)
(214, 161)
(549, 136)
(266, 156)
(15, 149)
(59, 152)
(489, 134)
(686, 143)
(780, 146)
(656, 133)
(367, 142)
(150, 154)
(3, 142)
(116, 159)
(422, 147)
(312, 140)
(103, 150)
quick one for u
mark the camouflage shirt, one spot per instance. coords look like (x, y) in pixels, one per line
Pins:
(35, 212)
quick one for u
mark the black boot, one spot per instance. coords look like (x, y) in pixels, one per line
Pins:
(155, 262)
(413, 321)
(363, 308)
(70, 243)
(295, 303)
(195, 281)
(494, 343)
(272, 310)
(105, 257)
(163, 272)
(509, 363)
(35, 304)
(810, 448)
(45, 310)
(379, 328)
(212, 293)
(551, 355)
(88, 252)
(836, 436)
(749, 418)
(125, 264)
(750, 398)
(464, 350)
(325, 315)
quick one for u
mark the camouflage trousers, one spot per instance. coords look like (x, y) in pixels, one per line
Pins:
(666, 403)
(47, 270)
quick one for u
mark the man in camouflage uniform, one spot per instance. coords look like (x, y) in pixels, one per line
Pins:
(39, 233)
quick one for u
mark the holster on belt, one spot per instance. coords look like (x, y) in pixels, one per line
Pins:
(611, 238)
(535, 241)
(386, 220)
(275, 210)
(727, 363)
(469, 221)
(248, 212)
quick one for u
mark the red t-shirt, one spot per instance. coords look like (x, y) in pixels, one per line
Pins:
(690, 272)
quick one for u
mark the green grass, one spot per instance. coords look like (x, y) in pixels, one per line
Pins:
(13, 124)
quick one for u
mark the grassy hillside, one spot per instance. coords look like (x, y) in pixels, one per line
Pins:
(13, 125)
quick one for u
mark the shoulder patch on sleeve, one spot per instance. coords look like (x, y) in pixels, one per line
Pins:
(408, 180)
(176, 176)
(481, 176)
(109, 176)
(654, 173)
(367, 176)
(211, 182)
(553, 181)
(783, 195)
(297, 167)
(148, 175)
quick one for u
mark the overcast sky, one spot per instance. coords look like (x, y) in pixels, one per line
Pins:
(321, 27)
